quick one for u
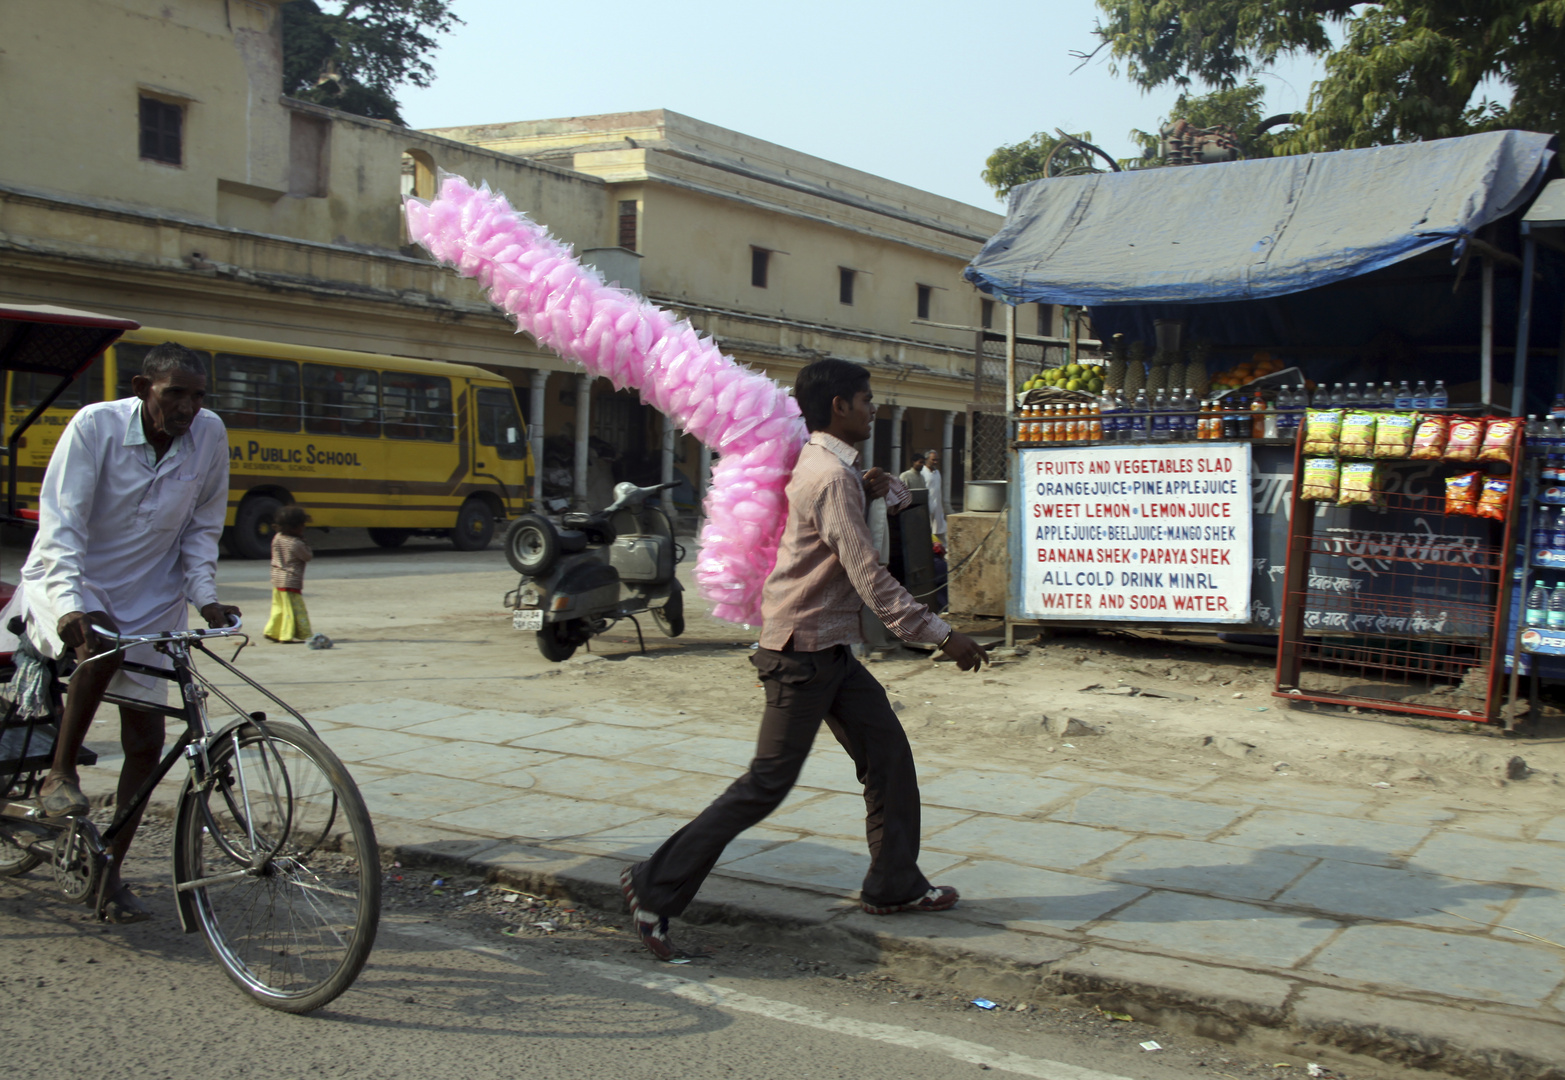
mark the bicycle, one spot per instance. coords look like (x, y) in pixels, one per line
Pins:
(275, 859)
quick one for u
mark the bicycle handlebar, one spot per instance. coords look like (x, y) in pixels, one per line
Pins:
(125, 640)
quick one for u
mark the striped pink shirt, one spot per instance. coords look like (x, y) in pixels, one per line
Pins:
(828, 561)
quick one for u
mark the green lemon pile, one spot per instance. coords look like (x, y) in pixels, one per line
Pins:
(1087, 377)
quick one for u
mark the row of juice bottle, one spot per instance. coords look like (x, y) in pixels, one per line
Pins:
(1162, 417)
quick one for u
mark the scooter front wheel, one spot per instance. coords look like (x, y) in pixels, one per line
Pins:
(557, 641)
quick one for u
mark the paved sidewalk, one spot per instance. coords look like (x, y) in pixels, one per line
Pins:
(1369, 919)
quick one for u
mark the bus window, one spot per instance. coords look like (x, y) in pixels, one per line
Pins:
(341, 401)
(499, 424)
(127, 364)
(28, 389)
(416, 406)
(254, 392)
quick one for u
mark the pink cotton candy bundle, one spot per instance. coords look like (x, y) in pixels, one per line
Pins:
(613, 333)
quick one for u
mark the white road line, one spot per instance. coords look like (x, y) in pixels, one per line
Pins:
(704, 993)
(719, 997)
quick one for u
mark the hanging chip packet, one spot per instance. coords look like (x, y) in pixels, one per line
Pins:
(1429, 438)
(1320, 479)
(1321, 428)
(1359, 484)
(1495, 500)
(1394, 434)
(1463, 438)
(1461, 494)
(1498, 435)
(1357, 436)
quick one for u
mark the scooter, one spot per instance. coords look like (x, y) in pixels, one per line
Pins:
(584, 574)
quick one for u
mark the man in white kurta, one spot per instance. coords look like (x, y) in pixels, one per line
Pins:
(129, 517)
(937, 502)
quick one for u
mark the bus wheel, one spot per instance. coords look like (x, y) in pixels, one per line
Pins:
(252, 533)
(390, 538)
(474, 526)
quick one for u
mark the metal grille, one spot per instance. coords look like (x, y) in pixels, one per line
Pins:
(1399, 609)
(987, 450)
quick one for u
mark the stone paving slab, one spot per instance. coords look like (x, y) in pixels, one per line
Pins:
(1348, 838)
(1195, 866)
(1220, 931)
(1463, 965)
(1120, 809)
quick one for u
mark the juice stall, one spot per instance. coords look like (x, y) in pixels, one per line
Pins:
(1238, 300)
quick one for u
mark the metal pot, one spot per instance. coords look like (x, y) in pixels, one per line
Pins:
(984, 496)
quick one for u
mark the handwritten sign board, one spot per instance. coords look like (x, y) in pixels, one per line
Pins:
(1139, 533)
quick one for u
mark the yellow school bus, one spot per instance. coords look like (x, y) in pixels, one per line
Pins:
(396, 445)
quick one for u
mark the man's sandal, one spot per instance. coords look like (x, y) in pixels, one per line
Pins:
(125, 907)
(65, 799)
(938, 898)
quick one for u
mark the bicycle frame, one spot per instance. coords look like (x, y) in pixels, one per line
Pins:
(192, 744)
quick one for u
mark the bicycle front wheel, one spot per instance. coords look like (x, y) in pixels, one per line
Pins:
(278, 859)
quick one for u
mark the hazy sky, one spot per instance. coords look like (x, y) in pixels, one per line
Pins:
(917, 91)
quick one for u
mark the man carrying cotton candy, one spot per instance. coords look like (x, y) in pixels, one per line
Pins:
(827, 568)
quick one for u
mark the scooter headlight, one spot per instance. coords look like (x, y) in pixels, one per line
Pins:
(529, 596)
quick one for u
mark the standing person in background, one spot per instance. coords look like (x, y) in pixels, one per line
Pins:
(913, 479)
(937, 499)
(290, 621)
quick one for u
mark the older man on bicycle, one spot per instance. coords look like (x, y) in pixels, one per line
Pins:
(129, 516)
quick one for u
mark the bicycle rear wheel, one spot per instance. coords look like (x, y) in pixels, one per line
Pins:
(295, 933)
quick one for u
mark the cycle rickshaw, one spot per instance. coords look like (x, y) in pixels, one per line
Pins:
(275, 861)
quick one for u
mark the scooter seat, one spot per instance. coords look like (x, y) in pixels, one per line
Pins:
(572, 541)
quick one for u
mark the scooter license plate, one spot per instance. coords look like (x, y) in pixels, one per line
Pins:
(527, 620)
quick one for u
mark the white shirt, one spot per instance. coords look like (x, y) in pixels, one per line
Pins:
(937, 508)
(123, 532)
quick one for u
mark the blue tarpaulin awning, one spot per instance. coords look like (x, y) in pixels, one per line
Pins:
(1252, 229)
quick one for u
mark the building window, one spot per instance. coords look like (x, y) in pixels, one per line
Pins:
(845, 284)
(627, 224)
(308, 138)
(986, 314)
(759, 258)
(924, 294)
(162, 131)
(1045, 320)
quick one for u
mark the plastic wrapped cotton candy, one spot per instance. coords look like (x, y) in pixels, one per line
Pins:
(614, 333)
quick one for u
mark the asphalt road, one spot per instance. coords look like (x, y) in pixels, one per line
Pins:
(449, 993)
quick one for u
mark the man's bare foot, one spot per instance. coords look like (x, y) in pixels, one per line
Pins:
(123, 906)
(59, 796)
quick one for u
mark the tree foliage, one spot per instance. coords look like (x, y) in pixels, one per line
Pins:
(1406, 69)
(1014, 165)
(354, 59)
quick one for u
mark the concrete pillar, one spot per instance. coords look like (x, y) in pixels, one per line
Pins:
(535, 403)
(666, 472)
(897, 413)
(946, 431)
(704, 481)
(867, 450)
(583, 427)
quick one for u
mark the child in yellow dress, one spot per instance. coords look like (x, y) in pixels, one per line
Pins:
(290, 621)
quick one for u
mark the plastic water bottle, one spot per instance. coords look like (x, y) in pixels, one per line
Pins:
(1537, 610)
(1557, 537)
(1160, 417)
(1388, 396)
(1421, 395)
(1558, 411)
(1404, 397)
(1140, 417)
(1542, 529)
(1438, 397)
(1351, 399)
(1557, 608)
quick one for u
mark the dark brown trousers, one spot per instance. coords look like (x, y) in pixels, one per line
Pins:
(802, 689)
